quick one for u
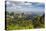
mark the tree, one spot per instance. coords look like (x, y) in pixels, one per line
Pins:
(12, 13)
(36, 22)
(7, 13)
(42, 19)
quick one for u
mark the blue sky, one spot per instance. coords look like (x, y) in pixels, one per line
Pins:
(25, 6)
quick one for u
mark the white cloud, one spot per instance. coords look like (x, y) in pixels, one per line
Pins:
(8, 2)
(12, 7)
(13, 4)
(28, 3)
(18, 6)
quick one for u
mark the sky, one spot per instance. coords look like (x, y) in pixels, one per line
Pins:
(21, 6)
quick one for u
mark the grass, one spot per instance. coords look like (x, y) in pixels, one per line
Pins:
(16, 27)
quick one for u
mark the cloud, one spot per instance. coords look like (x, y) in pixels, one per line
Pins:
(7, 2)
(22, 6)
(28, 3)
(38, 5)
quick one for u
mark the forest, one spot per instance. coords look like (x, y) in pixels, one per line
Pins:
(16, 21)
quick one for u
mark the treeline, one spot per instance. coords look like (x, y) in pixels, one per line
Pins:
(24, 21)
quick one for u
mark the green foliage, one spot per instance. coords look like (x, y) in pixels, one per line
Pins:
(37, 22)
(12, 13)
(23, 23)
(7, 13)
(16, 27)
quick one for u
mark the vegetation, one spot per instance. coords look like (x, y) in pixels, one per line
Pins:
(20, 21)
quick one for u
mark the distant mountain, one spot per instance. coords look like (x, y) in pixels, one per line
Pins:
(34, 13)
(28, 12)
